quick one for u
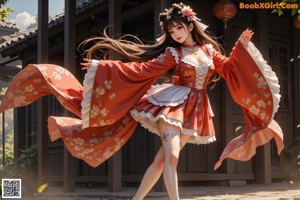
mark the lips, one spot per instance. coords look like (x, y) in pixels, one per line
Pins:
(179, 38)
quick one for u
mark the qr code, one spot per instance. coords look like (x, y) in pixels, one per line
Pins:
(11, 188)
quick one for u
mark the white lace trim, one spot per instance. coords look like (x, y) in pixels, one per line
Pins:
(268, 74)
(210, 49)
(167, 95)
(149, 122)
(88, 83)
(174, 53)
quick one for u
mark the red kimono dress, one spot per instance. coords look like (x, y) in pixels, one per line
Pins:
(115, 96)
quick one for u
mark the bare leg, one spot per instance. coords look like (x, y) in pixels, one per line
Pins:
(151, 176)
(170, 136)
(154, 171)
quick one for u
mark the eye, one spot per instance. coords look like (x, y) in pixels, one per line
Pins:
(179, 27)
(171, 32)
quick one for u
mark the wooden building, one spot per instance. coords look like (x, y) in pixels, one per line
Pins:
(56, 43)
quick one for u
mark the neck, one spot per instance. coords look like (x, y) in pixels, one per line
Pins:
(189, 44)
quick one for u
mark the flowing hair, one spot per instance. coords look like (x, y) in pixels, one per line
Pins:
(130, 48)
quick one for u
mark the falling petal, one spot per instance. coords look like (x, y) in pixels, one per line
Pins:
(238, 128)
(298, 126)
(42, 188)
(292, 60)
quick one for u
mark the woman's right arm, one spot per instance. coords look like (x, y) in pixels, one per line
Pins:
(154, 67)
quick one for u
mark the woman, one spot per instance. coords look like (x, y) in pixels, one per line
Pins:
(116, 96)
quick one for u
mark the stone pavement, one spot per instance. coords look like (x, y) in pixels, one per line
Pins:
(275, 191)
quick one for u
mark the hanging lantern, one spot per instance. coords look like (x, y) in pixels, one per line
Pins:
(297, 21)
(225, 10)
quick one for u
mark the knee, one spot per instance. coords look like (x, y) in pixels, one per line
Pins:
(172, 158)
(159, 163)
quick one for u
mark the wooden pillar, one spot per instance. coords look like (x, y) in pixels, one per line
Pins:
(296, 81)
(43, 6)
(262, 159)
(20, 126)
(159, 6)
(70, 163)
(228, 165)
(114, 163)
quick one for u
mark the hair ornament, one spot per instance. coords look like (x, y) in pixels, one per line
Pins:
(187, 11)
(191, 15)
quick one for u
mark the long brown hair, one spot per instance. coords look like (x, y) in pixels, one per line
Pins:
(130, 48)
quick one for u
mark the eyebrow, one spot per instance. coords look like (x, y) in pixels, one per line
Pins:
(174, 27)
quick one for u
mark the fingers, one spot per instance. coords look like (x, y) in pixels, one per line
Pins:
(248, 33)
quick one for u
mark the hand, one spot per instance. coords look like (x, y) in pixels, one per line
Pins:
(86, 64)
(246, 37)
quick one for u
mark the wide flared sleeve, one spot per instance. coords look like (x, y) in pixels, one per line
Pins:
(93, 145)
(254, 86)
(37, 80)
(111, 88)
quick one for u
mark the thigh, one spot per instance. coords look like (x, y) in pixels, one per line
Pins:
(170, 136)
(168, 131)
(183, 139)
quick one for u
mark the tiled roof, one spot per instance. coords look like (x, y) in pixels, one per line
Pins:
(21, 37)
(8, 25)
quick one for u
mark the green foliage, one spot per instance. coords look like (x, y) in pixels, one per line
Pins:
(4, 11)
(9, 135)
(28, 158)
(26, 163)
(293, 152)
(294, 11)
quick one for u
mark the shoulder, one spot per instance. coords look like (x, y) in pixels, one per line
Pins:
(171, 51)
(210, 49)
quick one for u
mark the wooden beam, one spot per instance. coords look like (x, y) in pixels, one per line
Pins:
(42, 104)
(114, 163)
(138, 10)
(70, 163)
(262, 159)
(198, 177)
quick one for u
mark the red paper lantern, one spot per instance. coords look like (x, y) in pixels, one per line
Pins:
(297, 21)
(225, 10)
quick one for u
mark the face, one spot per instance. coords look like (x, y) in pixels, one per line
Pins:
(181, 33)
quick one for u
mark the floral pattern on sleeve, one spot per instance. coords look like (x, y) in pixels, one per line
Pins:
(36, 81)
(93, 145)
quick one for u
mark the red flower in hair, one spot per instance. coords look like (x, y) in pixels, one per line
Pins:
(187, 11)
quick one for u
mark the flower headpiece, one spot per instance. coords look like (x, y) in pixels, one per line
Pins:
(187, 11)
(191, 16)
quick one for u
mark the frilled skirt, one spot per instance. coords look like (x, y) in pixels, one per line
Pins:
(184, 107)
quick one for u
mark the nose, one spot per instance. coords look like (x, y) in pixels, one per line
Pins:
(176, 33)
